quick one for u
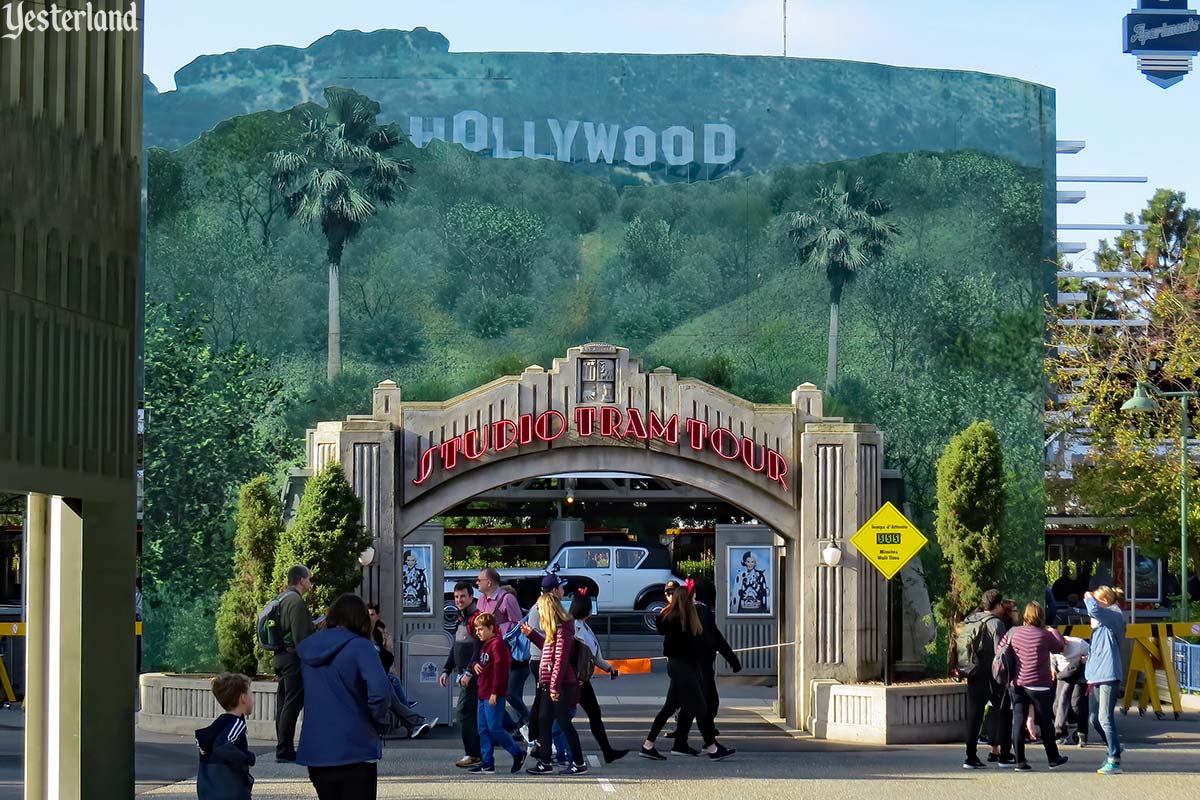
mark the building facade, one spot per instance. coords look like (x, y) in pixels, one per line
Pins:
(70, 211)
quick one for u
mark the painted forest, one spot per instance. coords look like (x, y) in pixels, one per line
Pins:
(465, 268)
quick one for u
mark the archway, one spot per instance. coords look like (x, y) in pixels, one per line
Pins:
(812, 479)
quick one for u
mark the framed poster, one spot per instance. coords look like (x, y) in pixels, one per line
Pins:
(751, 572)
(417, 561)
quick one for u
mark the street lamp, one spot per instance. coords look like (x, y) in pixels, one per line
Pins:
(1142, 401)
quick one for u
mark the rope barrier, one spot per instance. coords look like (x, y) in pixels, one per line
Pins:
(738, 650)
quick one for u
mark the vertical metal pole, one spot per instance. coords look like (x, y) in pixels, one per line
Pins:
(887, 632)
(785, 28)
(1131, 571)
(1184, 466)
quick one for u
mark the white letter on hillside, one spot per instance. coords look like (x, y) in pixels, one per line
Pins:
(640, 146)
(601, 141)
(563, 140)
(479, 130)
(420, 136)
(531, 144)
(678, 144)
(728, 143)
(498, 148)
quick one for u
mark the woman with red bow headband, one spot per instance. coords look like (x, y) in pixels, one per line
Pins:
(683, 633)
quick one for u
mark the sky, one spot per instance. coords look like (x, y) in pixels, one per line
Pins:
(1131, 126)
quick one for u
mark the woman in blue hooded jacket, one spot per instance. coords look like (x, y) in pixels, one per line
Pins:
(346, 701)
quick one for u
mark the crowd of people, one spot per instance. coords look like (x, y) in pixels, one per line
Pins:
(1026, 681)
(338, 671)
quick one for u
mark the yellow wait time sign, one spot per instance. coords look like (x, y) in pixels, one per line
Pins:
(888, 540)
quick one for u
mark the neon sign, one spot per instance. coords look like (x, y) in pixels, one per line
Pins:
(606, 422)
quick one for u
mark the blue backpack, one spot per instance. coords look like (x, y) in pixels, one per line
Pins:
(518, 642)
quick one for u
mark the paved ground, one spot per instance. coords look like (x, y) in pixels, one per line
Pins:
(1163, 759)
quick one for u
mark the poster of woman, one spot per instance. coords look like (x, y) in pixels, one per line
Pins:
(417, 558)
(751, 573)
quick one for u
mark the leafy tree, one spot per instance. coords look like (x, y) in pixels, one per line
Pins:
(840, 237)
(166, 173)
(970, 516)
(892, 321)
(335, 180)
(326, 536)
(235, 162)
(650, 250)
(1130, 473)
(201, 442)
(259, 523)
(493, 247)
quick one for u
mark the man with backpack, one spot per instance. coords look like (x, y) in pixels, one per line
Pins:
(975, 644)
(295, 625)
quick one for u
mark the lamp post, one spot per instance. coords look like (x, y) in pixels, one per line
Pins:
(1143, 401)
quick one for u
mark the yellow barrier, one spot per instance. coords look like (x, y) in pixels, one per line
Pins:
(16, 630)
(1151, 653)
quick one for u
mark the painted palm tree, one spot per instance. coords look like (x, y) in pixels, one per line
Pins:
(840, 236)
(336, 179)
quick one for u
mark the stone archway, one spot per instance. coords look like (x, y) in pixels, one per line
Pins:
(811, 478)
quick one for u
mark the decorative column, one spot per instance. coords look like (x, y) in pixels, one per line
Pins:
(840, 622)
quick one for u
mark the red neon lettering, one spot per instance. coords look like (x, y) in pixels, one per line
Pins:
(504, 434)
(697, 433)
(669, 433)
(525, 428)
(748, 448)
(585, 420)
(610, 421)
(720, 435)
(474, 444)
(635, 425)
(425, 465)
(450, 450)
(541, 428)
(777, 468)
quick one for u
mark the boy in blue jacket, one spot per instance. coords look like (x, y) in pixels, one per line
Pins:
(225, 758)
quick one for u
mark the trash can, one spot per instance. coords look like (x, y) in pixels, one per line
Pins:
(425, 653)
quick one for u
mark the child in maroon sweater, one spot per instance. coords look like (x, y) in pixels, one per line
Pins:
(495, 660)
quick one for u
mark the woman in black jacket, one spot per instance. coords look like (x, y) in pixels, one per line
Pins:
(684, 646)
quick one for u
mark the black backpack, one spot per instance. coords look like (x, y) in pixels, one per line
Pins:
(968, 640)
(268, 629)
(584, 661)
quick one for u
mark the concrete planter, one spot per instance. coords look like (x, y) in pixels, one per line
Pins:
(179, 704)
(876, 714)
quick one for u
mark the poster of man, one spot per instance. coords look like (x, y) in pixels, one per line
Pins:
(417, 558)
(750, 576)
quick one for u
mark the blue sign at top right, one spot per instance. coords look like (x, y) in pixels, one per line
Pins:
(1165, 36)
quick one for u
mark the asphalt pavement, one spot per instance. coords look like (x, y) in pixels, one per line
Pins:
(1162, 760)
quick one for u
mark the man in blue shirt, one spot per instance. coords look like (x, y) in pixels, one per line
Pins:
(1103, 670)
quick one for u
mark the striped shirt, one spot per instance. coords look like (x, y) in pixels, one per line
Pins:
(1031, 648)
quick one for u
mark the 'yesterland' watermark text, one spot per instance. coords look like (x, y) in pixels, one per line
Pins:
(18, 19)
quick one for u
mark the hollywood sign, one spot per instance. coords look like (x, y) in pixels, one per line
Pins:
(604, 422)
(570, 140)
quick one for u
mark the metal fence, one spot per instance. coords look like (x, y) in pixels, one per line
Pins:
(1187, 665)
